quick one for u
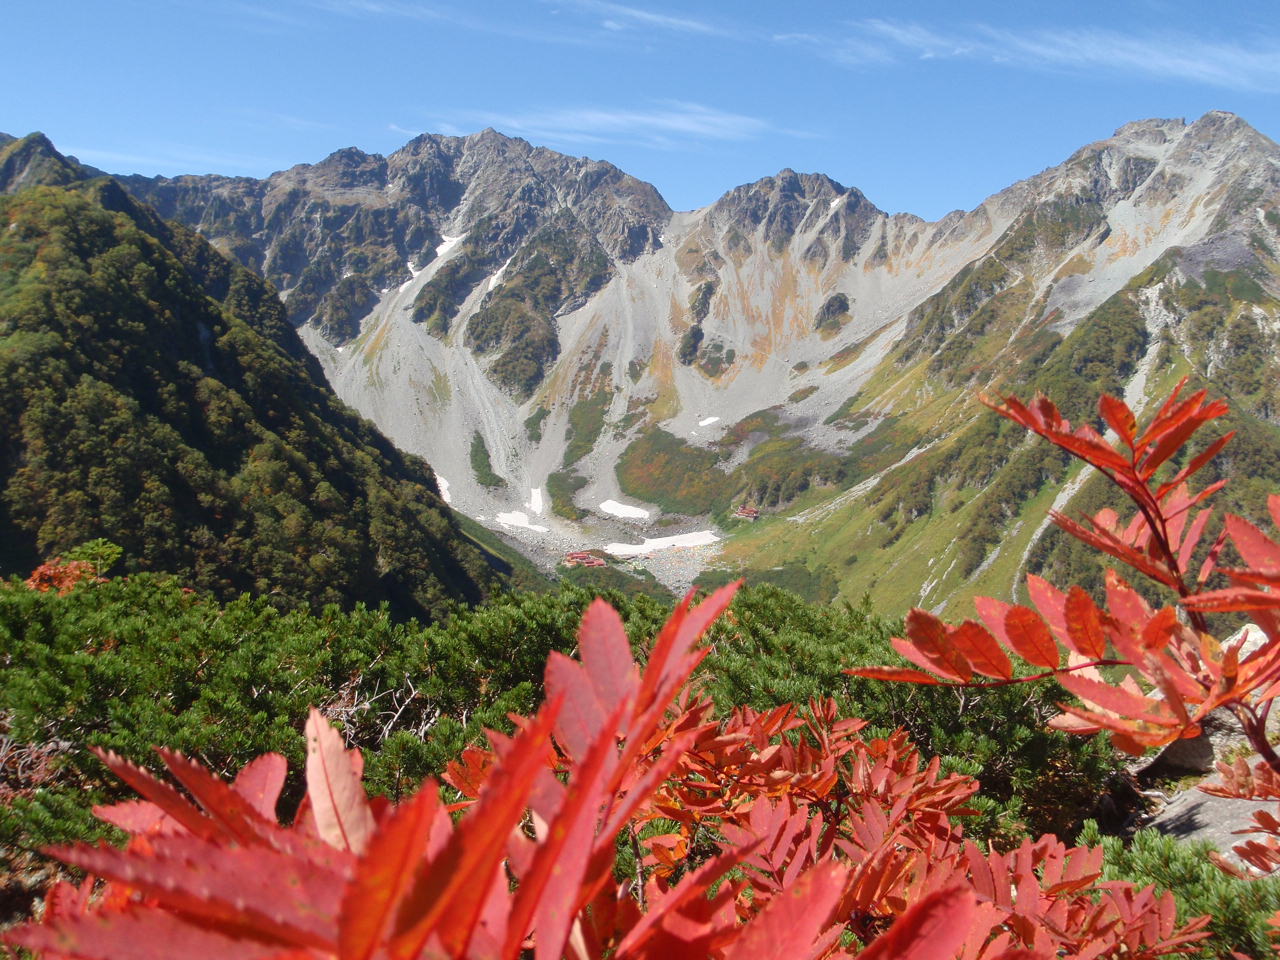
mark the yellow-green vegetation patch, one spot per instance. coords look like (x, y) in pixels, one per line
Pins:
(533, 424)
(481, 466)
(1078, 264)
(804, 393)
(586, 423)
(561, 486)
(661, 468)
(441, 388)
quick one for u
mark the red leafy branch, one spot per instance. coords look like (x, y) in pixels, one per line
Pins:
(1179, 672)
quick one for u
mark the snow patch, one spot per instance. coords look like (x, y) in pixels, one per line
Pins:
(707, 421)
(518, 518)
(836, 202)
(413, 274)
(443, 484)
(535, 501)
(624, 510)
(698, 539)
(501, 271)
(449, 244)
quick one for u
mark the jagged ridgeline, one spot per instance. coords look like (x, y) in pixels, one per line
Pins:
(156, 395)
(790, 348)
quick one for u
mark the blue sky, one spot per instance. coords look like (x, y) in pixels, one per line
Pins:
(925, 107)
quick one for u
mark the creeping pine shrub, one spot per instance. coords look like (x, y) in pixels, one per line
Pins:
(1238, 909)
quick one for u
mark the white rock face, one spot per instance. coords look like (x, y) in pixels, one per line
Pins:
(776, 252)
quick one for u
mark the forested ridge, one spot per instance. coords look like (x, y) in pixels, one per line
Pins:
(155, 395)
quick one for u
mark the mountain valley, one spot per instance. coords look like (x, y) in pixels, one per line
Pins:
(585, 369)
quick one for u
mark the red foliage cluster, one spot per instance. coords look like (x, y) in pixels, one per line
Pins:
(776, 834)
(1187, 672)
(61, 575)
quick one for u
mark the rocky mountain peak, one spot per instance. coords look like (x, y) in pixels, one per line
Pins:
(33, 160)
(345, 169)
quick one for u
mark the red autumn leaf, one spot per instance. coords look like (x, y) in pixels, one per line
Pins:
(1258, 550)
(338, 803)
(1125, 603)
(446, 900)
(1049, 601)
(254, 893)
(158, 792)
(791, 923)
(1124, 705)
(133, 934)
(980, 648)
(1117, 415)
(385, 874)
(933, 929)
(606, 654)
(551, 888)
(928, 646)
(1028, 637)
(1084, 625)
(1196, 465)
(260, 782)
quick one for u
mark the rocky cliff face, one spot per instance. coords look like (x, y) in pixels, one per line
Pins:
(791, 345)
(334, 237)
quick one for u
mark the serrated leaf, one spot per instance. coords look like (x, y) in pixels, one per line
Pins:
(981, 650)
(260, 782)
(1257, 549)
(1084, 625)
(933, 929)
(1030, 638)
(133, 934)
(927, 645)
(791, 923)
(606, 654)
(446, 901)
(1117, 415)
(385, 874)
(338, 802)
(254, 893)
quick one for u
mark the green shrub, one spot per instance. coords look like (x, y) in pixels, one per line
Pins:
(1239, 909)
(481, 466)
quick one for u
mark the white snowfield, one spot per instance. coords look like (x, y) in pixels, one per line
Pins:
(449, 244)
(535, 501)
(443, 484)
(624, 510)
(698, 539)
(707, 421)
(518, 518)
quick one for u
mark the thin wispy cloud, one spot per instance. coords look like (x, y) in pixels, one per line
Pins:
(620, 16)
(667, 125)
(1253, 66)
(433, 13)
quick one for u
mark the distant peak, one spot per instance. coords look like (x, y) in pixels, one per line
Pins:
(806, 186)
(348, 157)
(1153, 129)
